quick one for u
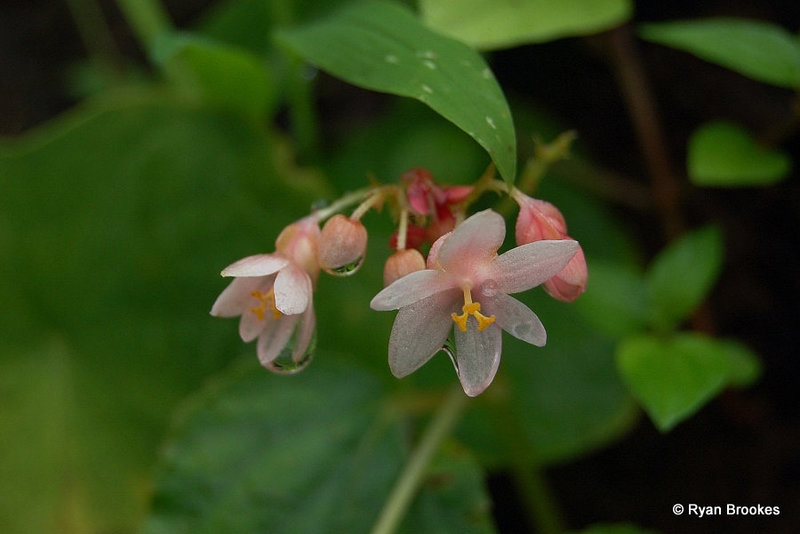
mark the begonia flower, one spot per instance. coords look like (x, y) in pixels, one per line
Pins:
(466, 290)
(273, 295)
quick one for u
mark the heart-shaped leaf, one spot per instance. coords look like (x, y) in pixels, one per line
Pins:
(673, 377)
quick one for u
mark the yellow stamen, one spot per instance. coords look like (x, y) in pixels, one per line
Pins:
(264, 298)
(471, 308)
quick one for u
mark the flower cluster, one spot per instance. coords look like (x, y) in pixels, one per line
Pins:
(461, 291)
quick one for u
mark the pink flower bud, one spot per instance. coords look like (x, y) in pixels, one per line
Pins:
(401, 263)
(570, 282)
(298, 242)
(538, 220)
(342, 245)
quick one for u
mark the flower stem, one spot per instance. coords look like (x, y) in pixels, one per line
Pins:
(411, 478)
(147, 18)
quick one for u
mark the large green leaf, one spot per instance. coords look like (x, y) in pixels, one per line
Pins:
(724, 154)
(682, 274)
(381, 45)
(673, 377)
(492, 24)
(757, 49)
(316, 452)
(116, 221)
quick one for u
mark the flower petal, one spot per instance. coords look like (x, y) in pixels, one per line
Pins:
(273, 341)
(258, 265)
(473, 242)
(419, 332)
(250, 326)
(305, 331)
(292, 290)
(411, 288)
(516, 318)
(237, 298)
(530, 265)
(477, 356)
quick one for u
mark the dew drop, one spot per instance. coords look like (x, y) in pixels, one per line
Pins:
(427, 89)
(429, 54)
(490, 122)
(284, 364)
(487, 74)
(346, 270)
(430, 64)
(489, 288)
(390, 58)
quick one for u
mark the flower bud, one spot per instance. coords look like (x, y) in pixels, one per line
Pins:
(342, 245)
(299, 241)
(538, 220)
(570, 282)
(401, 263)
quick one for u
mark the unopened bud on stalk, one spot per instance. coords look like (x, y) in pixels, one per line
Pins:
(401, 263)
(342, 245)
(570, 282)
(539, 220)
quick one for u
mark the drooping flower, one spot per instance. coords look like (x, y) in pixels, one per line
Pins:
(273, 295)
(466, 289)
(538, 220)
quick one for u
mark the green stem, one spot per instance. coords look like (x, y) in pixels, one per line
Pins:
(411, 478)
(95, 34)
(147, 18)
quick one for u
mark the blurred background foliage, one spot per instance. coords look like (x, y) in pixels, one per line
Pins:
(135, 165)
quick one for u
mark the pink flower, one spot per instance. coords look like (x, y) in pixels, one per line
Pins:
(273, 295)
(468, 287)
(538, 220)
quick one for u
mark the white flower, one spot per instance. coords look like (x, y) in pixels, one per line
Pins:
(468, 287)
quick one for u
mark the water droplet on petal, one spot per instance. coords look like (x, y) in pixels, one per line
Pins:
(489, 288)
(346, 270)
(284, 364)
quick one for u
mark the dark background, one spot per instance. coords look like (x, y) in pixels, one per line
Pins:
(742, 448)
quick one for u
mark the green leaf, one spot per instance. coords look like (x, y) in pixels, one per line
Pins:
(681, 276)
(745, 367)
(220, 74)
(381, 46)
(760, 50)
(116, 221)
(674, 377)
(724, 154)
(493, 24)
(615, 301)
(315, 452)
